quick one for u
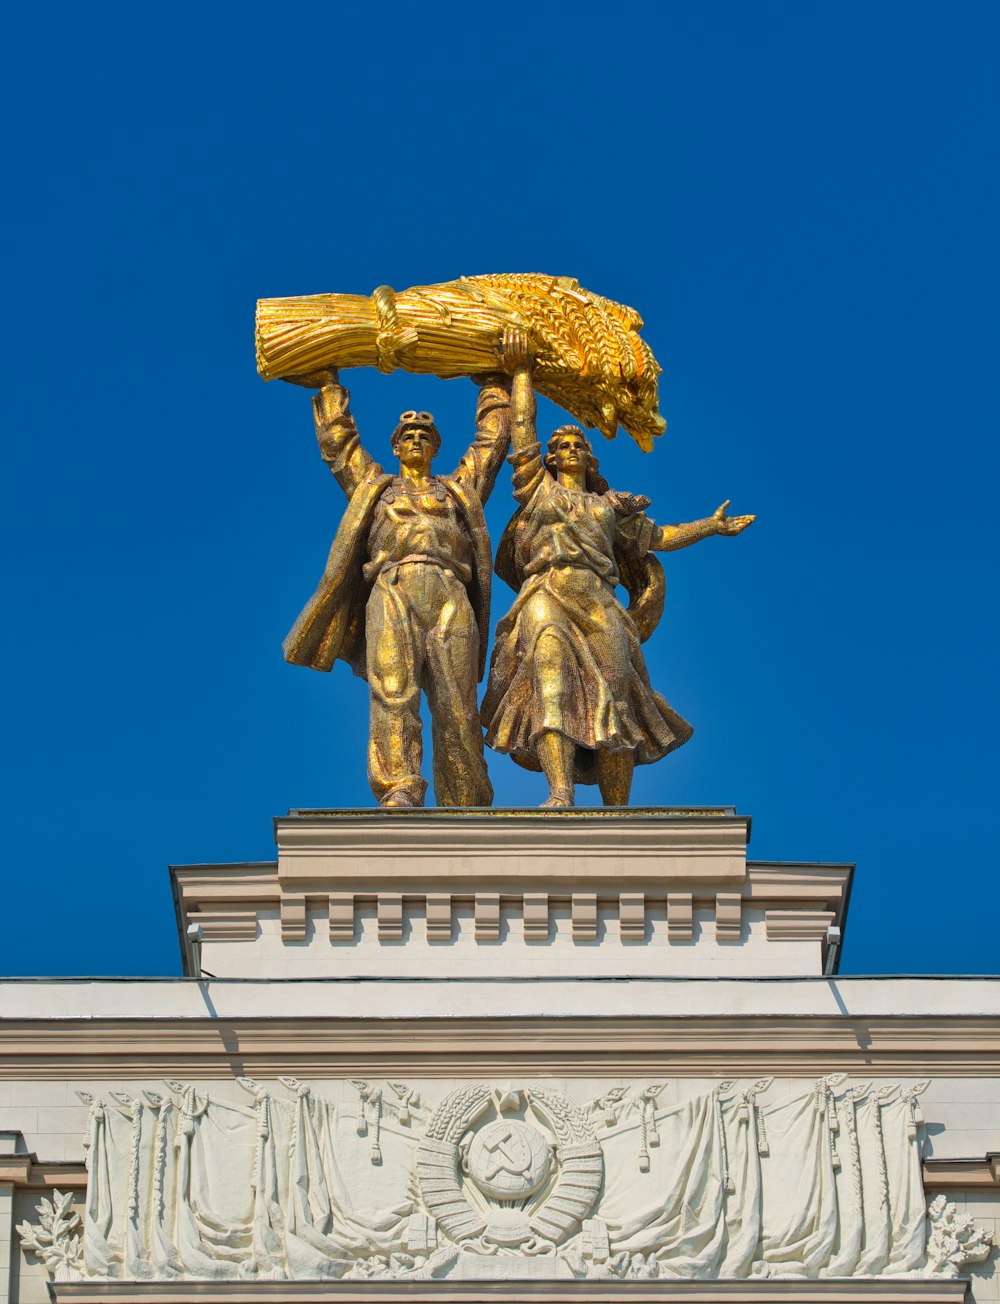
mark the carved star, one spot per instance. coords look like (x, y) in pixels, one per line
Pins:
(507, 1100)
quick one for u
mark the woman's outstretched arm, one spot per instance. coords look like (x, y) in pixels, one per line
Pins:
(667, 538)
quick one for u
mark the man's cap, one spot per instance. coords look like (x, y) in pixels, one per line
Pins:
(417, 420)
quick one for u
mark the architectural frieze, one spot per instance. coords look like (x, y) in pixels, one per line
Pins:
(505, 1180)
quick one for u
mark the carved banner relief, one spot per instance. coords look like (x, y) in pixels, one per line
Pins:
(505, 1181)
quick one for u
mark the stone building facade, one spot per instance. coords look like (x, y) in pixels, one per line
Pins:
(526, 1055)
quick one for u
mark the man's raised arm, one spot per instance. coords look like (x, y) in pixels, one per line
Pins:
(506, 409)
(339, 442)
(484, 456)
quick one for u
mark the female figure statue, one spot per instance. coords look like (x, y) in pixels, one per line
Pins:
(568, 691)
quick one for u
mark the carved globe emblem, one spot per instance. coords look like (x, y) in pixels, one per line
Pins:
(508, 1160)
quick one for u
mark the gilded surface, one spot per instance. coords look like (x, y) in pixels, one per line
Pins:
(568, 689)
(589, 356)
(405, 595)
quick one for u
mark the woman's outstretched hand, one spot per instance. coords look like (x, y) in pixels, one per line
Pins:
(730, 524)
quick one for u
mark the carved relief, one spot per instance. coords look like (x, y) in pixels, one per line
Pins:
(55, 1238)
(725, 1183)
(954, 1240)
(509, 1172)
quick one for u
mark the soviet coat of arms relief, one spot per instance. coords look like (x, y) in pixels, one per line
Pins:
(663, 1180)
(509, 1172)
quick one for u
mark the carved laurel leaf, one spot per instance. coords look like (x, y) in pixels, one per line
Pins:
(30, 1237)
(955, 1240)
(51, 1240)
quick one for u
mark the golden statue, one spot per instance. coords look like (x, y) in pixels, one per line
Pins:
(405, 597)
(568, 690)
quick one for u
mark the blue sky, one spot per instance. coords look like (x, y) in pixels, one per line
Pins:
(802, 202)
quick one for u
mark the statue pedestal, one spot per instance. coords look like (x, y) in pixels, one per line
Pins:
(642, 892)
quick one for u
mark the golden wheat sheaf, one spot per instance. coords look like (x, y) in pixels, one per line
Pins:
(588, 354)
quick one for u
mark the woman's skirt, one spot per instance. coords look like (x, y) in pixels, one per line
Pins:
(589, 684)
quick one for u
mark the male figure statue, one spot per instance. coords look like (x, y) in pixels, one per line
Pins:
(405, 597)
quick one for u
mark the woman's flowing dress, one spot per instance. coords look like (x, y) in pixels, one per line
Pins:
(560, 549)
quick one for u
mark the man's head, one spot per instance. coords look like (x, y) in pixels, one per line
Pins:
(416, 440)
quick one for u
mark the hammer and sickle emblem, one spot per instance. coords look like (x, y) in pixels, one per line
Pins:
(509, 1154)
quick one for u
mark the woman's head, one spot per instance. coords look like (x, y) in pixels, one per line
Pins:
(570, 450)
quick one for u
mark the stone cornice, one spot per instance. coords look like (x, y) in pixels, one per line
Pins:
(739, 1046)
(429, 862)
(25, 1172)
(962, 1174)
(842, 1290)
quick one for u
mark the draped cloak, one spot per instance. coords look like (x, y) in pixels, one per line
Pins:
(332, 624)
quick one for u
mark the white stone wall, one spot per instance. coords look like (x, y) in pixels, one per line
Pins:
(87, 998)
(6, 1233)
(963, 1117)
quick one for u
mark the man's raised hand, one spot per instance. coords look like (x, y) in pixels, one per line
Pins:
(315, 379)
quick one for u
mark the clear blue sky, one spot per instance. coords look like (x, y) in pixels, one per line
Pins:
(801, 199)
